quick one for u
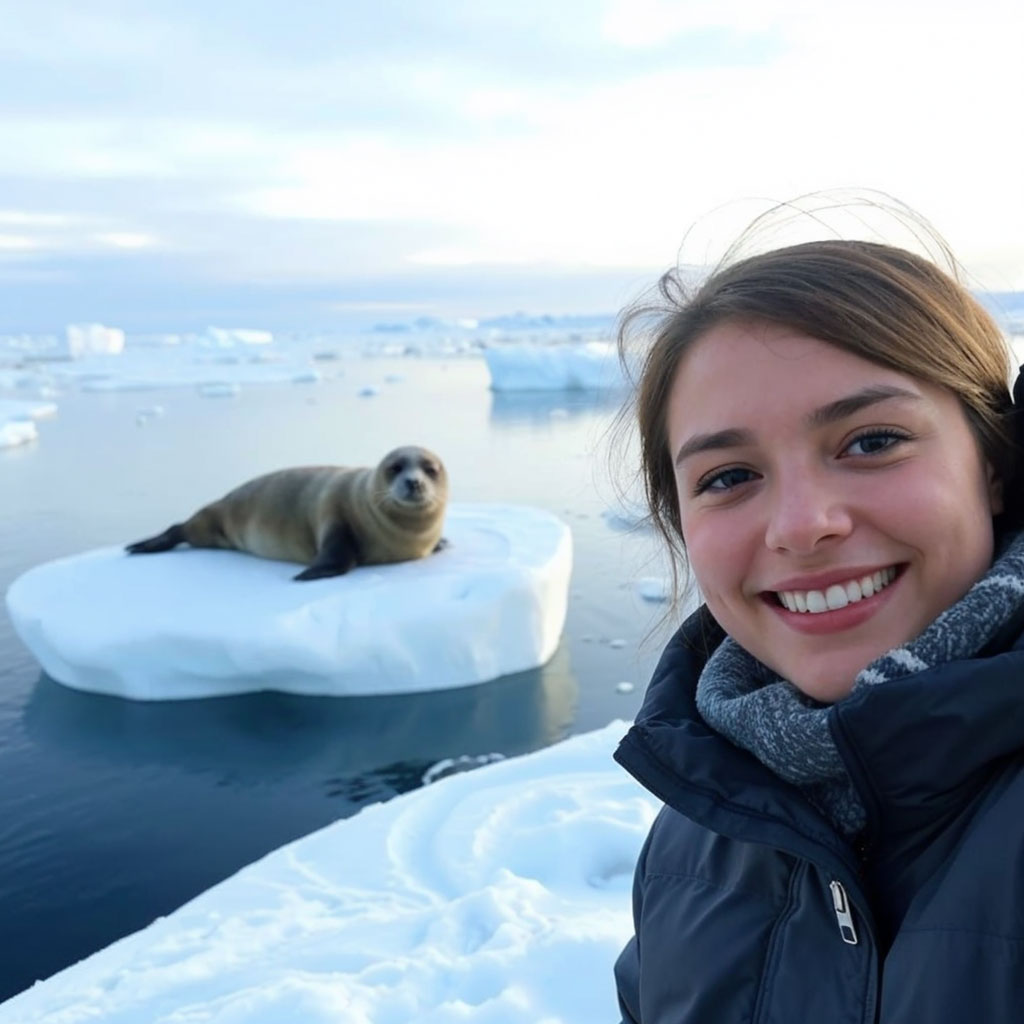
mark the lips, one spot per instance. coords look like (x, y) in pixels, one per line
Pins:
(837, 595)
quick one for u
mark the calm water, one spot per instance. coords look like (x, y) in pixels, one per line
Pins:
(114, 812)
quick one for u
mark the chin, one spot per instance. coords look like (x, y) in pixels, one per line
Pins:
(825, 691)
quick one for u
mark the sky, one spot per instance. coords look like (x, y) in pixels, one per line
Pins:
(175, 164)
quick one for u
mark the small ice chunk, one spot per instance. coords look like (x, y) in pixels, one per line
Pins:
(654, 588)
(17, 432)
(455, 765)
(624, 687)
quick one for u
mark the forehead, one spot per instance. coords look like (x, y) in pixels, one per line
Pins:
(739, 373)
(411, 455)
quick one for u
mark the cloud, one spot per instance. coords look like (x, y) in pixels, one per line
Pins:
(326, 144)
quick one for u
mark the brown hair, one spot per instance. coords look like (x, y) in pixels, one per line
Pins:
(879, 302)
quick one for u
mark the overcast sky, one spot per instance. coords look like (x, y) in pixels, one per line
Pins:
(167, 165)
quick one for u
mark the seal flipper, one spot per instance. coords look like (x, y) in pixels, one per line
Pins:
(443, 543)
(338, 553)
(170, 538)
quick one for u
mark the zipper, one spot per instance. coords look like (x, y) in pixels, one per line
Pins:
(843, 915)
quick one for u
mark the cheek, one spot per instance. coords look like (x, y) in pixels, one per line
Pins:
(719, 553)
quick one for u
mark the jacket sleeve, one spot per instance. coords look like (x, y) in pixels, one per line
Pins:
(627, 967)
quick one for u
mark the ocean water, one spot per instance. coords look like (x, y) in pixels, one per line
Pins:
(114, 812)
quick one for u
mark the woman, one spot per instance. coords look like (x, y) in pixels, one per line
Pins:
(838, 733)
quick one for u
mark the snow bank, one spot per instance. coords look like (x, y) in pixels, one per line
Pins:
(501, 896)
(191, 623)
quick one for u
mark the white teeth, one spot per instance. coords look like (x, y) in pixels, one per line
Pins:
(839, 595)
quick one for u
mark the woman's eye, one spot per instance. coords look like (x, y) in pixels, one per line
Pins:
(874, 443)
(724, 480)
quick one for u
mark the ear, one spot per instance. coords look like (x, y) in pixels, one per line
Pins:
(995, 489)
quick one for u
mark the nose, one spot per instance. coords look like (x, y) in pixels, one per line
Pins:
(413, 486)
(806, 511)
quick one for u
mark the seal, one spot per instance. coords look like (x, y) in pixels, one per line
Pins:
(329, 518)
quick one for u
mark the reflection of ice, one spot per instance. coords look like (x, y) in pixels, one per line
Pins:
(218, 389)
(463, 893)
(263, 738)
(541, 407)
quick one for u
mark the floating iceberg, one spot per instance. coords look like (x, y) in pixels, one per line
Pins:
(500, 895)
(17, 432)
(24, 409)
(93, 339)
(228, 337)
(592, 366)
(200, 623)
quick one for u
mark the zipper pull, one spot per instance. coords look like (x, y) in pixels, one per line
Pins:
(843, 915)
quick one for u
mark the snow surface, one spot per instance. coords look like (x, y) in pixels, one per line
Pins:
(590, 366)
(498, 896)
(198, 623)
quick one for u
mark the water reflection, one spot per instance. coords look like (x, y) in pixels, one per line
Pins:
(346, 743)
(535, 407)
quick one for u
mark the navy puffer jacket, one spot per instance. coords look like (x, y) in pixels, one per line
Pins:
(748, 906)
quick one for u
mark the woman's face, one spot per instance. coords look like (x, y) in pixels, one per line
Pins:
(831, 507)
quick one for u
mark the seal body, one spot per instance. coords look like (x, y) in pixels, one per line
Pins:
(329, 518)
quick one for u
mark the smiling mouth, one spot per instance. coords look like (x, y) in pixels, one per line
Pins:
(839, 595)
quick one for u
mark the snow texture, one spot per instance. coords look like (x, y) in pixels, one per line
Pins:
(498, 896)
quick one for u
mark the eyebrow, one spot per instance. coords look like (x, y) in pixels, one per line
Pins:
(826, 414)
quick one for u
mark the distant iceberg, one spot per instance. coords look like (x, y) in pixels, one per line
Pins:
(229, 337)
(93, 339)
(589, 366)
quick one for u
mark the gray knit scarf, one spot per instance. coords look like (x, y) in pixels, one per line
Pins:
(788, 731)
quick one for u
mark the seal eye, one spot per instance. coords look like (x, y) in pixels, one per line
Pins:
(430, 469)
(395, 468)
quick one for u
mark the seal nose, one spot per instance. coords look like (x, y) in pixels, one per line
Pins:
(413, 487)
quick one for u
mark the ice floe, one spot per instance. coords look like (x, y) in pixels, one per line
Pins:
(199, 623)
